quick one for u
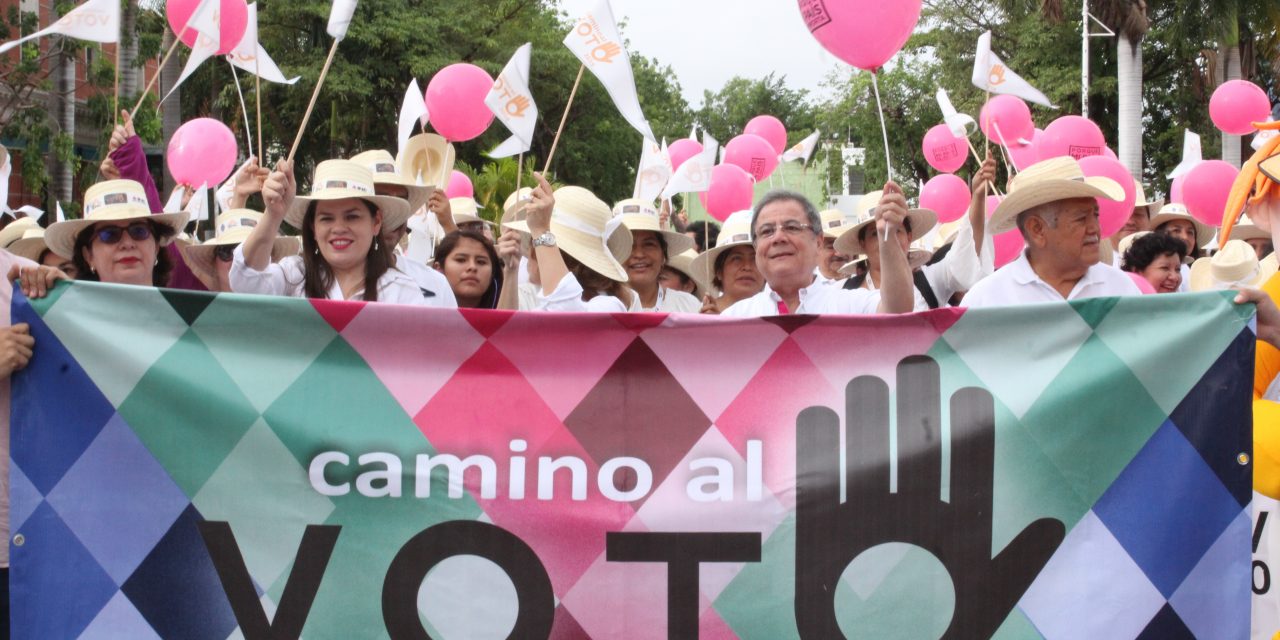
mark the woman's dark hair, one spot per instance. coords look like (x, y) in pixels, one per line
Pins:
(594, 284)
(871, 228)
(1151, 247)
(318, 277)
(705, 234)
(680, 275)
(1192, 252)
(450, 243)
(159, 274)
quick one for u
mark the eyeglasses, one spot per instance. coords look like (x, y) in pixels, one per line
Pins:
(225, 252)
(790, 227)
(139, 231)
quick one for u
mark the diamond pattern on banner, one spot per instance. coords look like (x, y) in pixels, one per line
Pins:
(269, 608)
(1022, 330)
(176, 588)
(281, 350)
(1214, 600)
(895, 590)
(141, 331)
(486, 322)
(338, 313)
(1167, 543)
(1166, 625)
(24, 498)
(1016, 627)
(120, 619)
(841, 357)
(564, 626)
(741, 604)
(188, 304)
(712, 627)
(268, 533)
(68, 580)
(395, 342)
(163, 395)
(616, 600)
(1091, 588)
(119, 533)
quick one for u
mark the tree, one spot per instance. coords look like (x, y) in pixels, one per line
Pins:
(726, 112)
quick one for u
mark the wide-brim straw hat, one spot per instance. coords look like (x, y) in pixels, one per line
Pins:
(683, 262)
(14, 231)
(1049, 181)
(1152, 206)
(233, 228)
(513, 209)
(736, 232)
(917, 257)
(922, 222)
(1126, 242)
(385, 171)
(638, 215)
(427, 159)
(1235, 265)
(585, 229)
(1178, 211)
(111, 201)
(343, 180)
(833, 222)
(1245, 229)
(466, 211)
(31, 245)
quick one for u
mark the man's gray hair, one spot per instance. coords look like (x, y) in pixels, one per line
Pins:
(1047, 212)
(783, 195)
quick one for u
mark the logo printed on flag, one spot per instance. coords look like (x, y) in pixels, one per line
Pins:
(95, 21)
(990, 73)
(597, 44)
(512, 104)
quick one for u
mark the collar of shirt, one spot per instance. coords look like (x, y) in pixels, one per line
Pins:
(1024, 274)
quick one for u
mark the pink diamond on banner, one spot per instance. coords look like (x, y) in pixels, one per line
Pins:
(640, 322)
(942, 319)
(562, 376)
(487, 321)
(760, 412)
(564, 626)
(338, 312)
(394, 344)
(621, 600)
(739, 352)
(844, 351)
(712, 627)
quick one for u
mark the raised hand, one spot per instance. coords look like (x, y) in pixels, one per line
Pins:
(509, 250)
(541, 203)
(122, 132)
(709, 306)
(250, 179)
(279, 190)
(108, 169)
(986, 175)
(36, 282)
(831, 534)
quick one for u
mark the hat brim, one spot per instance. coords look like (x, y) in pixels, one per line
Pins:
(29, 248)
(395, 211)
(61, 236)
(1005, 217)
(700, 286)
(418, 194)
(922, 222)
(586, 248)
(916, 258)
(1238, 232)
(1204, 232)
(1202, 275)
(200, 257)
(676, 242)
(704, 265)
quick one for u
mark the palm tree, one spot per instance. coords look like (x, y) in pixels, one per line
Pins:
(1128, 18)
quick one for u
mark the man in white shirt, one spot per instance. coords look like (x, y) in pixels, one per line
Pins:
(1054, 206)
(787, 233)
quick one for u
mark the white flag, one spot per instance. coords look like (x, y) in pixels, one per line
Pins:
(59, 216)
(693, 133)
(991, 74)
(803, 150)
(204, 21)
(6, 169)
(595, 41)
(340, 18)
(960, 124)
(1191, 155)
(694, 176)
(412, 111)
(654, 171)
(512, 103)
(95, 20)
(250, 56)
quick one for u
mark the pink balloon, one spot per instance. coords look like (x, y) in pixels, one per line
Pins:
(1176, 188)
(459, 186)
(771, 129)
(731, 190)
(1025, 155)
(202, 152)
(944, 150)
(1005, 119)
(752, 154)
(1008, 247)
(233, 17)
(1143, 284)
(946, 195)
(1111, 214)
(863, 33)
(992, 203)
(1107, 152)
(1073, 136)
(1236, 105)
(683, 149)
(455, 99)
(1206, 190)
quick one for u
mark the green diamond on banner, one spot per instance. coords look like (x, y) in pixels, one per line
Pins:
(1094, 310)
(216, 413)
(51, 298)
(1017, 627)
(188, 304)
(742, 604)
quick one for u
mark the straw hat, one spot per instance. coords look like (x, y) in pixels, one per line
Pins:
(1178, 211)
(1152, 206)
(511, 210)
(1127, 242)
(917, 256)
(465, 211)
(384, 170)
(638, 215)
(1235, 265)
(833, 222)
(1245, 229)
(110, 201)
(31, 245)
(343, 179)
(1049, 181)
(683, 262)
(922, 221)
(14, 231)
(233, 228)
(427, 159)
(736, 232)
(585, 229)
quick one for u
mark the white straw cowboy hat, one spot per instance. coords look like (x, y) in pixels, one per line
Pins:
(513, 208)
(1235, 265)
(1245, 229)
(638, 215)
(736, 232)
(922, 222)
(1049, 181)
(14, 231)
(833, 223)
(427, 159)
(1127, 242)
(383, 167)
(585, 229)
(110, 201)
(1152, 206)
(344, 179)
(233, 228)
(683, 262)
(31, 245)
(465, 211)
(1178, 211)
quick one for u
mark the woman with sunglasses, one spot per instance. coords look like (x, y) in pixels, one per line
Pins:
(211, 261)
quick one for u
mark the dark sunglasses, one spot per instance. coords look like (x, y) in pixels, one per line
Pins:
(139, 231)
(225, 252)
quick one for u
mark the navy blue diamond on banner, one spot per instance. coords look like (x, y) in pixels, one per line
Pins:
(177, 589)
(1217, 416)
(1167, 538)
(46, 455)
(62, 596)
(1166, 626)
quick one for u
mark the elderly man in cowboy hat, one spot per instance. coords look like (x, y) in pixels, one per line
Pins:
(1055, 208)
(787, 232)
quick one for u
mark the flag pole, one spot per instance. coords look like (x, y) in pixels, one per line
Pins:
(151, 85)
(257, 100)
(244, 109)
(314, 94)
(115, 104)
(875, 85)
(563, 119)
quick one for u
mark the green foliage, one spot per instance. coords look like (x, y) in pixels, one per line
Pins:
(726, 112)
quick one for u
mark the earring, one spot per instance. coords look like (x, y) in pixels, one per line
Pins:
(317, 250)
(375, 244)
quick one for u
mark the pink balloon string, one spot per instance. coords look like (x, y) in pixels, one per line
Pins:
(884, 130)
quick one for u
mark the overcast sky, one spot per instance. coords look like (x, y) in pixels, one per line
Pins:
(707, 42)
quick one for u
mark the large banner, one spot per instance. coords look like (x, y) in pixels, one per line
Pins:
(191, 466)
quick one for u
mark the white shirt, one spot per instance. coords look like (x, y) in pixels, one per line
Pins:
(669, 301)
(958, 271)
(1186, 279)
(828, 282)
(567, 297)
(814, 299)
(430, 281)
(1017, 283)
(285, 278)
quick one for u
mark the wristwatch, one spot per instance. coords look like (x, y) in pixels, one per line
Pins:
(547, 239)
